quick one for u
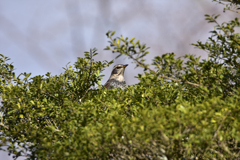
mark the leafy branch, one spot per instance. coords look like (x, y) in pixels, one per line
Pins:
(136, 52)
(232, 5)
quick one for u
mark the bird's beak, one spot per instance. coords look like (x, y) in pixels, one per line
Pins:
(124, 66)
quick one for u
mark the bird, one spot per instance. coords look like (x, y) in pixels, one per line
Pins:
(116, 79)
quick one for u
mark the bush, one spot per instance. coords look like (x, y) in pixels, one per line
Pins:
(177, 111)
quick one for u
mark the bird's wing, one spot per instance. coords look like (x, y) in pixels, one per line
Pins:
(107, 84)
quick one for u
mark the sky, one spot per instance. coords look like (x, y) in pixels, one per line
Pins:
(43, 36)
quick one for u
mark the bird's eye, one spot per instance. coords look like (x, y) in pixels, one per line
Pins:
(119, 67)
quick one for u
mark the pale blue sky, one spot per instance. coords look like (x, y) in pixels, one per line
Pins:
(43, 36)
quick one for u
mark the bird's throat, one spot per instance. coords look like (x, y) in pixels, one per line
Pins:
(119, 78)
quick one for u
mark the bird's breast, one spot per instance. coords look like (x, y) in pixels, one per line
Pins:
(120, 78)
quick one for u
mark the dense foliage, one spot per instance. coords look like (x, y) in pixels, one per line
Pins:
(183, 108)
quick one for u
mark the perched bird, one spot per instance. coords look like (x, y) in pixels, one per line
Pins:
(117, 79)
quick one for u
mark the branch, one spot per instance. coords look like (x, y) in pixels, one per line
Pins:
(231, 1)
(173, 79)
(220, 126)
(146, 67)
(3, 125)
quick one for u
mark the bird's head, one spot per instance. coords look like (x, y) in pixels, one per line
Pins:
(118, 72)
